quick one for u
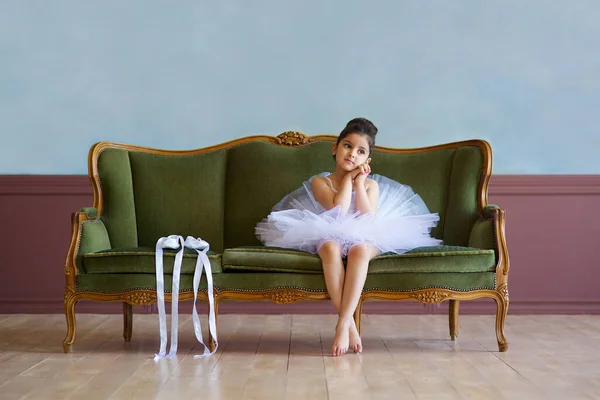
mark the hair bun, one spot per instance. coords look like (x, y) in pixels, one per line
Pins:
(362, 125)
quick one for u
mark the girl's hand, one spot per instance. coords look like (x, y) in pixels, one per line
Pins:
(367, 167)
(364, 170)
(355, 172)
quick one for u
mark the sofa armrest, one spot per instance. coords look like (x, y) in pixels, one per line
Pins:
(488, 232)
(482, 233)
(94, 237)
(88, 234)
(92, 212)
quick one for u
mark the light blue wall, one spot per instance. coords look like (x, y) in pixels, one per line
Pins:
(523, 74)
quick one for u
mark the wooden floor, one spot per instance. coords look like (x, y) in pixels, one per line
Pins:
(286, 357)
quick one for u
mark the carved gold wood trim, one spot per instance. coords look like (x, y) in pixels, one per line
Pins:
(291, 139)
(133, 297)
(148, 296)
(502, 308)
(431, 296)
(288, 296)
(68, 293)
(278, 296)
(438, 295)
(140, 298)
(499, 216)
(70, 266)
(503, 290)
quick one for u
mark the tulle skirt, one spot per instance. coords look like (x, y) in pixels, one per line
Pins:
(402, 221)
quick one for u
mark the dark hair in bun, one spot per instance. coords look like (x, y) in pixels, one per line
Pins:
(362, 126)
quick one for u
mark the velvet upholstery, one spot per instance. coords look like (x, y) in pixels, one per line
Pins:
(221, 195)
(257, 281)
(114, 170)
(94, 238)
(482, 234)
(179, 195)
(259, 174)
(142, 260)
(461, 206)
(427, 173)
(423, 260)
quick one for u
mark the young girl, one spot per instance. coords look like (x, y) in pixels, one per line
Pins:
(346, 214)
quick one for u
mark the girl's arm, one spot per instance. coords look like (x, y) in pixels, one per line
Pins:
(327, 198)
(367, 196)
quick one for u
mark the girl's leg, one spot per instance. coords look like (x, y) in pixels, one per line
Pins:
(333, 269)
(356, 274)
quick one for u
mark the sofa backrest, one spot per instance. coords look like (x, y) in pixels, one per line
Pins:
(145, 195)
(259, 174)
(221, 193)
(449, 178)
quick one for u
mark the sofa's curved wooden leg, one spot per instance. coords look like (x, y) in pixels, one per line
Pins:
(70, 302)
(127, 321)
(211, 340)
(358, 315)
(453, 318)
(502, 308)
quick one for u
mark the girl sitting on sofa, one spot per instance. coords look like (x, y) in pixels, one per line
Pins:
(347, 214)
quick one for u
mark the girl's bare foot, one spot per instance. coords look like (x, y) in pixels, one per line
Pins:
(355, 341)
(342, 338)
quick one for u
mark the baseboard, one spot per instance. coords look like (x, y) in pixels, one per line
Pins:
(225, 307)
(524, 307)
(53, 306)
(317, 307)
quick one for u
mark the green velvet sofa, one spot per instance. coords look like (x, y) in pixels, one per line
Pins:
(219, 193)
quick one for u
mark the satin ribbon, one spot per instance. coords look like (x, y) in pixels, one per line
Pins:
(201, 247)
(169, 242)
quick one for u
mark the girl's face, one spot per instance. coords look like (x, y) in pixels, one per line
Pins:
(352, 151)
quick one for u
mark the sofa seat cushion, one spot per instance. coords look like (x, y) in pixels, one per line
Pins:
(270, 259)
(421, 260)
(256, 282)
(436, 259)
(142, 260)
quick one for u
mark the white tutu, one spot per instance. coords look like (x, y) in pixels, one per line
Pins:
(402, 221)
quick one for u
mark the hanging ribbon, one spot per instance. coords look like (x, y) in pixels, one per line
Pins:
(170, 242)
(201, 247)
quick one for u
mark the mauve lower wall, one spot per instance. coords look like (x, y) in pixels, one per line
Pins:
(553, 233)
